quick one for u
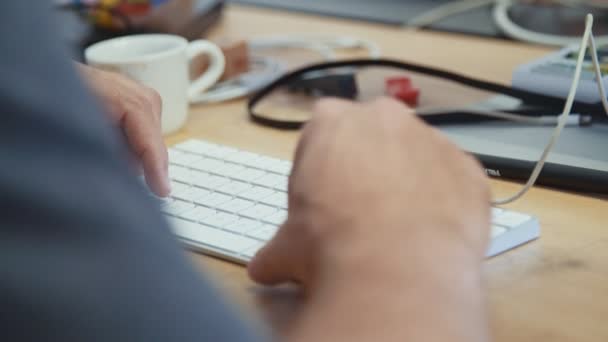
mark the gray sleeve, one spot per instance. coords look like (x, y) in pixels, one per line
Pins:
(84, 254)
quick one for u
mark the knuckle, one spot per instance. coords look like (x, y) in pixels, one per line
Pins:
(384, 101)
(325, 113)
(155, 97)
(389, 105)
(392, 113)
(330, 105)
(152, 99)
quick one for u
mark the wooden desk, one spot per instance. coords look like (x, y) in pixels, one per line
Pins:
(554, 289)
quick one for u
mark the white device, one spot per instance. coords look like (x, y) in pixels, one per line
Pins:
(228, 202)
(552, 75)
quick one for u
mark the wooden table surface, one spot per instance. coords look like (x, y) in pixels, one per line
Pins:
(553, 289)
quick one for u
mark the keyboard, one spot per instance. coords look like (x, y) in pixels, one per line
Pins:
(228, 202)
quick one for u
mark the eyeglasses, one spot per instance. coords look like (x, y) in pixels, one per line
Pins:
(438, 96)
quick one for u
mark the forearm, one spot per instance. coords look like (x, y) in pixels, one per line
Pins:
(434, 293)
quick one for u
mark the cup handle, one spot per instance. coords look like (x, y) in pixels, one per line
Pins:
(217, 64)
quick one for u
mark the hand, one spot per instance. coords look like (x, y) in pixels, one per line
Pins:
(388, 223)
(372, 186)
(137, 109)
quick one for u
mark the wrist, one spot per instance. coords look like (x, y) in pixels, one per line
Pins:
(431, 282)
(381, 253)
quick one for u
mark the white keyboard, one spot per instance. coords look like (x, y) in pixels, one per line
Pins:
(229, 203)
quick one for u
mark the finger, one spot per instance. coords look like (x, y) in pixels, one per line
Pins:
(326, 114)
(156, 102)
(145, 138)
(323, 110)
(271, 264)
(332, 105)
(390, 105)
(157, 107)
(283, 259)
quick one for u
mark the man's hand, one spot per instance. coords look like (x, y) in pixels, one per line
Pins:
(137, 109)
(388, 223)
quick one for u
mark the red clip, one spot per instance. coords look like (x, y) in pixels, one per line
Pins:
(402, 89)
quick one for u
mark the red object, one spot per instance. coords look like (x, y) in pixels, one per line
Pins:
(134, 9)
(401, 88)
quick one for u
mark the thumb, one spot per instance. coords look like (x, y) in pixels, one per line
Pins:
(271, 264)
(282, 260)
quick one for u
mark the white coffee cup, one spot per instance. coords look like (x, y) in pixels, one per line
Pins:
(161, 62)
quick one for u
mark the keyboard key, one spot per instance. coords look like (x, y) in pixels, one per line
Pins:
(177, 207)
(177, 187)
(208, 164)
(285, 167)
(188, 159)
(264, 233)
(249, 175)
(282, 183)
(176, 156)
(243, 226)
(250, 252)
(235, 205)
(280, 167)
(212, 237)
(195, 146)
(269, 180)
(267, 163)
(277, 218)
(219, 152)
(179, 173)
(198, 214)
(216, 182)
(230, 170)
(510, 219)
(243, 157)
(191, 194)
(234, 188)
(497, 230)
(258, 211)
(278, 199)
(213, 200)
(208, 181)
(256, 193)
(220, 219)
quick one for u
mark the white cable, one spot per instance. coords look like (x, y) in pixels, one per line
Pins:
(284, 43)
(324, 45)
(512, 30)
(598, 73)
(562, 118)
(502, 19)
(344, 42)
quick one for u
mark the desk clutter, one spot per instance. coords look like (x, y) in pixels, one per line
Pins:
(265, 68)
